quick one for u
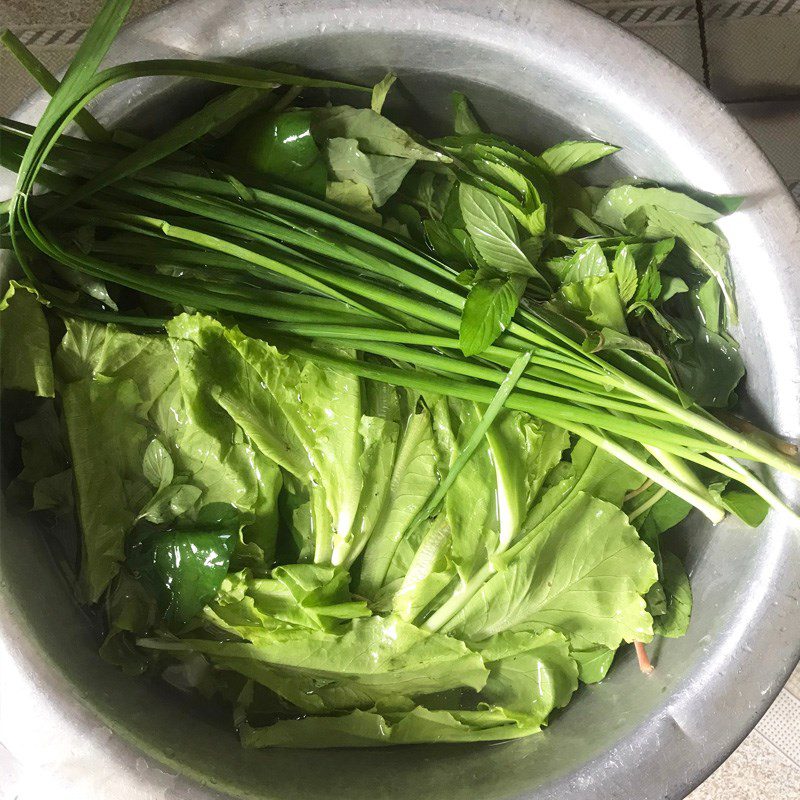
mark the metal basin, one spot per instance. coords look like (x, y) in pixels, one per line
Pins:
(538, 72)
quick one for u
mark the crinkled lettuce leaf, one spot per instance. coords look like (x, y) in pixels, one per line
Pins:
(25, 361)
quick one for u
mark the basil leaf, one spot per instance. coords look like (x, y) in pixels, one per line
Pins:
(493, 230)
(489, 309)
(379, 92)
(622, 201)
(463, 119)
(624, 267)
(570, 155)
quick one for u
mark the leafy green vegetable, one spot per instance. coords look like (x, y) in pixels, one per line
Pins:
(45, 482)
(596, 300)
(489, 309)
(375, 134)
(382, 175)
(379, 92)
(581, 570)
(493, 230)
(353, 197)
(593, 662)
(707, 364)
(745, 504)
(424, 487)
(566, 156)
(378, 656)
(102, 409)
(463, 119)
(619, 203)
(25, 342)
(706, 249)
(529, 674)
(675, 620)
(412, 481)
(624, 267)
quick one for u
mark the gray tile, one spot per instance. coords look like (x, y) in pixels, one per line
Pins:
(775, 126)
(756, 771)
(753, 48)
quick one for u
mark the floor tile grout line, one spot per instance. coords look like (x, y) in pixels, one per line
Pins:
(701, 30)
(776, 747)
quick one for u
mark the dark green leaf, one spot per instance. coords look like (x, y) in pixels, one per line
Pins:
(444, 243)
(494, 232)
(707, 299)
(707, 250)
(649, 288)
(707, 365)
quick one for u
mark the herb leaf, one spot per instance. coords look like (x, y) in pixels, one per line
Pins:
(493, 230)
(379, 92)
(570, 155)
(489, 309)
(624, 267)
(463, 119)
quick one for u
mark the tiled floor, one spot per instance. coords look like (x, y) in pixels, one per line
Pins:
(748, 53)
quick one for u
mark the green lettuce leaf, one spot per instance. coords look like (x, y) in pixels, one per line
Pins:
(45, 481)
(381, 657)
(25, 342)
(529, 674)
(412, 481)
(108, 479)
(581, 570)
(368, 729)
